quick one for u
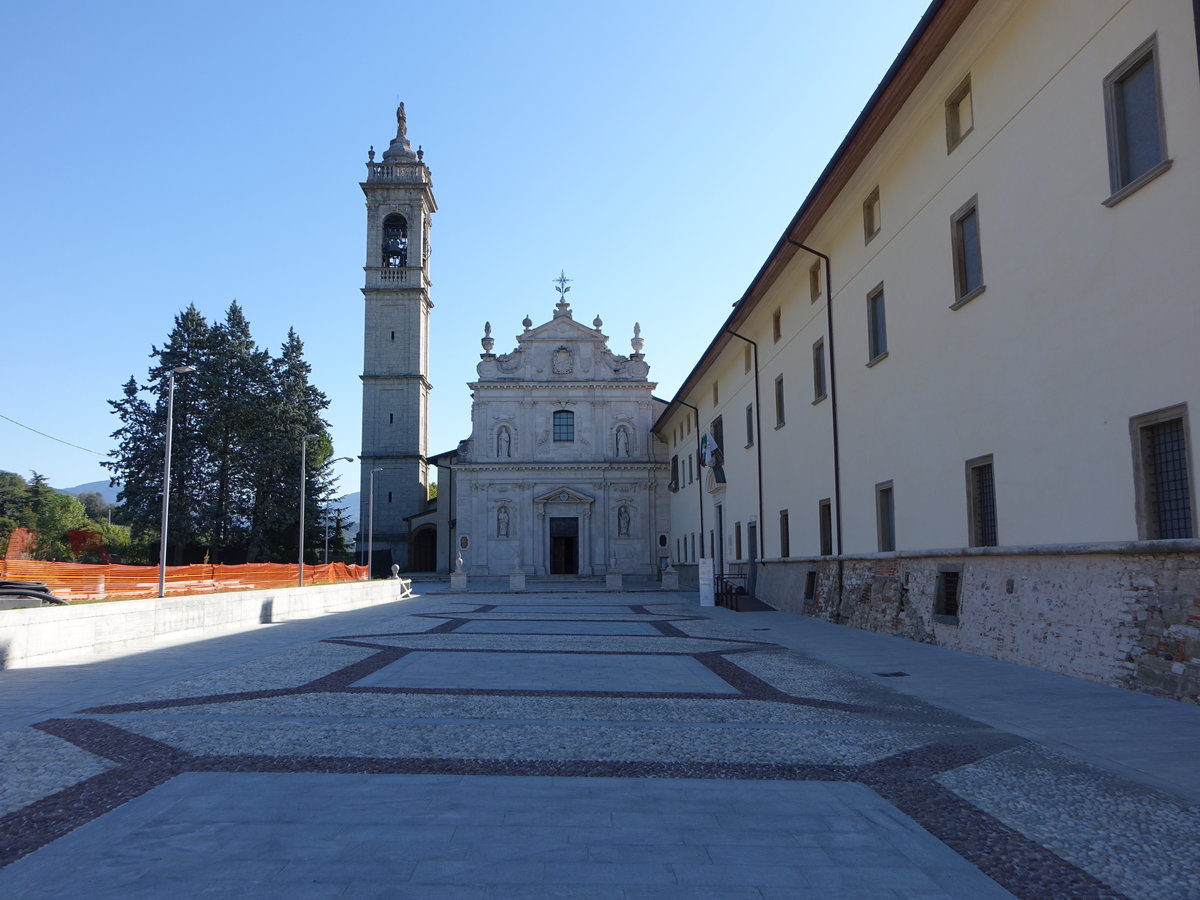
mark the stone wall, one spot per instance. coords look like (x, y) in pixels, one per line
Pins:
(26, 634)
(1121, 614)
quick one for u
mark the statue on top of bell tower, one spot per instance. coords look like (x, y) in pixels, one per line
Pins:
(400, 149)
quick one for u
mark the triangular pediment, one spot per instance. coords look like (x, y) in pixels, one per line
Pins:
(563, 328)
(563, 495)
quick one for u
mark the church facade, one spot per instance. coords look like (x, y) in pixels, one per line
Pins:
(561, 474)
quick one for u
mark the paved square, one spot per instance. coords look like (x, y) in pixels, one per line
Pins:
(499, 626)
(314, 835)
(549, 672)
(442, 747)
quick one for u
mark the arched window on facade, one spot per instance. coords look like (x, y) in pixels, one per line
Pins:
(395, 241)
(564, 425)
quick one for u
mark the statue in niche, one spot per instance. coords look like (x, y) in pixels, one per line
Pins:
(562, 364)
(622, 521)
(622, 442)
(502, 522)
(503, 443)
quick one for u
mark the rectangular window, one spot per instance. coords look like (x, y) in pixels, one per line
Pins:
(814, 281)
(946, 596)
(776, 325)
(674, 473)
(810, 586)
(747, 360)
(981, 502)
(885, 513)
(718, 436)
(693, 546)
(737, 540)
(968, 259)
(871, 216)
(750, 425)
(825, 522)
(819, 371)
(1163, 469)
(564, 425)
(691, 477)
(876, 326)
(785, 538)
(714, 393)
(678, 555)
(960, 118)
(1137, 150)
(779, 410)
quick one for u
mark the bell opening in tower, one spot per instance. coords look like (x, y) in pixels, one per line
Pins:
(395, 242)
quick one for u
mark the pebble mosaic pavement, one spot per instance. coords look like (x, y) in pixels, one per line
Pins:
(610, 708)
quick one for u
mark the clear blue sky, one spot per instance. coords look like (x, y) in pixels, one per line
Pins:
(159, 154)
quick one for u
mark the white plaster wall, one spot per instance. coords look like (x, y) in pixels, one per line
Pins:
(27, 634)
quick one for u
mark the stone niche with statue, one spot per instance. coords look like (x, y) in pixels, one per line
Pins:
(561, 475)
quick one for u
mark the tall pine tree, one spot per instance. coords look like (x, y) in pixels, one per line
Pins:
(235, 461)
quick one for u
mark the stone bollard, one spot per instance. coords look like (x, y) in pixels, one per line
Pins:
(670, 578)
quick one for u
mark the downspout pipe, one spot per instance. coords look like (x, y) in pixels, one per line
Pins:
(762, 530)
(699, 481)
(833, 410)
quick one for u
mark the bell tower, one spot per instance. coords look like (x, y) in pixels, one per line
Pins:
(395, 376)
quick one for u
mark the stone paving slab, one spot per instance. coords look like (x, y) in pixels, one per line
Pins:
(577, 672)
(284, 835)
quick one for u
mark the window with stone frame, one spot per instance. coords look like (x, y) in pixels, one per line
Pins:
(1164, 489)
(871, 213)
(981, 502)
(818, 361)
(825, 526)
(1137, 141)
(885, 515)
(960, 117)
(564, 425)
(876, 326)
(785, 537)
(780, 412)
(968, 256)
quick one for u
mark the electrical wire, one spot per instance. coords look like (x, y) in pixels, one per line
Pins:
(52, 437)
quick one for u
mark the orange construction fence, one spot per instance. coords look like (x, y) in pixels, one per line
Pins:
(81, 581)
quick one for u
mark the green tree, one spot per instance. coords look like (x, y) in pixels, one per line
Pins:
(239, 422)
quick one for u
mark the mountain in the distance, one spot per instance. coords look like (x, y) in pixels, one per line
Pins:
(349, 503)
(93, 487)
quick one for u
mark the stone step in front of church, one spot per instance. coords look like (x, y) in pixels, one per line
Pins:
(535, 584)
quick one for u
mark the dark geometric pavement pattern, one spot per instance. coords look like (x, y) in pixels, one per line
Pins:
(565, 746)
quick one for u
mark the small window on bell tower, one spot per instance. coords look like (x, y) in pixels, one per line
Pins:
(395, 242)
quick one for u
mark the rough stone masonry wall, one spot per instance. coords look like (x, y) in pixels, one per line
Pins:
(1121, 614)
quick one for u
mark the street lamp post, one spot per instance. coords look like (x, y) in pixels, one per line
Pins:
(166, 488)
(371, 520)
(303, 479)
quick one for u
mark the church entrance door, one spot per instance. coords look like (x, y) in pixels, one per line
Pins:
(564, 545)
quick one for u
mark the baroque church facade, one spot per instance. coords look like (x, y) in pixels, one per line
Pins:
(561, 474)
